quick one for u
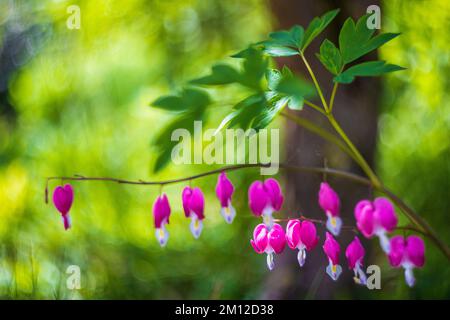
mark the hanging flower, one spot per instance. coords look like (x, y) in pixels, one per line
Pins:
(330, 203)
(376, 218)
(408, 253)
(265, 198)
(224, 191)
(332, 250)
(301, 236)
(355, 254)
(161, 214)
(63, 199)
(268, 241)
(193, 205)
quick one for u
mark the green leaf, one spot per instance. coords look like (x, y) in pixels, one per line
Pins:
(254, 68)
(283, 43)
(163, 142)
(248, 110)
(316, 26)
(330, 57)
(220, 74)
(366, 69)
(171, 103)
(355, 39)
(188, 99)
(295, 87)
(290, 38)
(286, 86)
(274, 51)
(273, 77)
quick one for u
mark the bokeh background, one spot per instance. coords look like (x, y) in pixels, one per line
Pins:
(77, 102)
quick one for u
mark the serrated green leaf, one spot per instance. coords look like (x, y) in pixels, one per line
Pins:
(316, 26)
(355, 39)
(330, 57)
(288, 38)
(366, 69)
(220, 74)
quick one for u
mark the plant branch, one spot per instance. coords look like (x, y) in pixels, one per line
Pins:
(314, 106)
(313, 77)
(333, 95)
(374, 180)
(360, 159)
(312, 127)
(426, 229)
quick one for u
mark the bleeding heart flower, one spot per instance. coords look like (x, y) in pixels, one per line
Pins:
(161, 214)
(224, 191)
(265, 198)
(193, 205)
(63, 199)
(409, 254)
(330, 203)
(301, 236)
(332, 250)
(376, 218)
(355, 254)
(268, 241)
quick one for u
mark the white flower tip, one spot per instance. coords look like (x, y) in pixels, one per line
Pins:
(196, 227)
(409, 277)
(334, 225)
(228, 213)
(162, 235)
(301, 257)
(270, 262)
(384, 242)
(334, 271)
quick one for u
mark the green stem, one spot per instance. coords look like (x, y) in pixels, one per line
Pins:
(333, 95)
(315, 107)
(374, 180)
(424, 227)
(310, 126)
(361, 161)
(313, 77)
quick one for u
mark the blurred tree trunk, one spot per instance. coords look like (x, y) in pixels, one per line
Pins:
(356, 109)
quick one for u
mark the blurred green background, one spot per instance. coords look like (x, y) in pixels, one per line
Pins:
(76, 101)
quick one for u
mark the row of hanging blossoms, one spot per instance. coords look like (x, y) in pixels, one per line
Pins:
(373, 219)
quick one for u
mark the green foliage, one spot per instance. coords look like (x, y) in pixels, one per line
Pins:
(366, 69)
(291, 42)
(290, 89)
(330, 57)
(355, 40)
(253, 68)
(191, 104)
(316, 26)
(189, 99)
